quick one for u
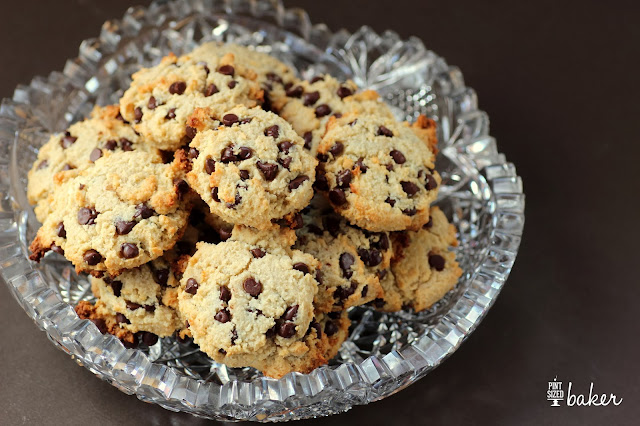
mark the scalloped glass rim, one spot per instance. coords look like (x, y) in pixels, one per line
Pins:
(487, 207)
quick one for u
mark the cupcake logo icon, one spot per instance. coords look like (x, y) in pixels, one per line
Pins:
(555, 394)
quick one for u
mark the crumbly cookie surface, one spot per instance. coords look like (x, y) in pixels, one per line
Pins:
(160, 99)
(378, 173)
(308, 105)
(248, 307)
(68, 153)
(252, 168)
(352, 259)
(423, 265)
(124, 211)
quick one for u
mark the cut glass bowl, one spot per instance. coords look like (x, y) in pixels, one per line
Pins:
(481, 194)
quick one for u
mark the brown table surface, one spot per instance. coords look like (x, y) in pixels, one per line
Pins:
(557, 79)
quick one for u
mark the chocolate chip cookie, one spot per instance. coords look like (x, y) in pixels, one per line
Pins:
(423, 266)
(248, 306)
(351, 258)
(378, 173)
(69, 152)
(160, 99)
(124, 211)
(252, 168)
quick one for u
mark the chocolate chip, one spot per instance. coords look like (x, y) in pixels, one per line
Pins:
(234, 335)
(316, 79)
(205, 66)
(383, 242)
(371, 257)
(193, 153)
(214, 195)
(295, 183)
(101, 324)
(192, 286)
(222, 351)
(190, 132)
(286, 330)
(225, 294)
(223, 316)
(431, 183)
(308, 137)
(343, 178)
(273, 131)
(332, 225)
(397, 156)
(290, 313)
(314, 325)
(43, 164)
(285, 162)
(337, 115)
(246, 120)
(330, 328)
(294, 92)
(244, 174)
(211, 89)
(87, 216)
(60, 231)
(361, 165)
(126, 144)
(389, 167)
(143, 211)
(227, 70)
(171, 114)
(364, 291)
(178, 88)
(161, 276)
(57, 249)
(337, 197)
(269, 171)
(390, 201)
(253, 287)
(311, 98)
(343, 92)
(209, 165)
(120, 319)
(182, 187)
(229, 119)
(346, 261)
(124, 227)
(92, 257)
(149, 339)
(409, 188)
(232, 84)
(111, 145)
(227, 155)
(137, 114)
(152, 103)
(257, 253)
(284, 146)
(68, 140)
(274, 77)
(319, 277)
(383, 131)
(323, 110)
(410, 212)
(129, 250)
(436, 261)
(244, 153)
(236, 201)
(149, 308)
(321, 182)
(337, 149)
(302, 267)
(225, 234)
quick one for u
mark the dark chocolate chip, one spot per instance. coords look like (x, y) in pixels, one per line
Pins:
(383, 131)
(343, 178)
(178, 88)
(225, 294)
(92, 257)
(410, 212)
(311, 98)
(244, 174)
(209, 165)
(436, 261)
(321, 182)
(60, 231)
(182, 187)
(286, 330)
(274, 77)
(149, 339)
(232, 84)
(171, 114)
(193, 153)
(121, 319)
(346, 261)
(129, 250)
(363, 168)
(149, 308)
(190, 132)
(214, 194)
(389, 167)
(126, 144)
(294, 92)
(397, 156)
(101, 324)
(229, 119)
(87, 216)
(143, 211)
(337, 149)
(295, 183)
(223, 316)
(161, 276)
(302, 267)
(192, 286)
(253, 287)
(227, 70)
(152, 103)
(211, 89)
(124, 227)
(285, 162)
(323, 110)
(409, 188)
(364, 291)
(284, 146)
(337, 197)
(257, 253)
(290, 313)
(57, 249)
(68, 140)
(430, 183)
(390, 201)
(273, 131)
(330, 328)
(227, 155)
(246, 120)
(371, 257)
(111, 145)
(316, 79)
(343, 92)
(269, 171)
(225, 234)
(244, 153)
(137, 114)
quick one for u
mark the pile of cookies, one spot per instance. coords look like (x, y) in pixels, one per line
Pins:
(227, 201)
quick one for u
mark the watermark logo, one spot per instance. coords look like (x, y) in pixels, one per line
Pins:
(555, 395)
(555, 392)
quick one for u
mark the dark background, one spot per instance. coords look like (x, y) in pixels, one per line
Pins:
(559, 81)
